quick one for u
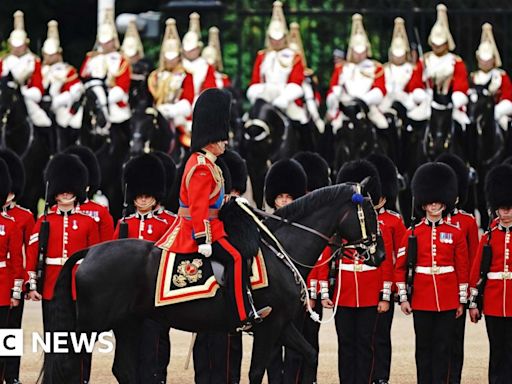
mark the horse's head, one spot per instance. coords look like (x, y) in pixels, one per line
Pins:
(438, 137)
(481, 102)
(95, 105)
(10, 93)
(264, 124)
(145, 124)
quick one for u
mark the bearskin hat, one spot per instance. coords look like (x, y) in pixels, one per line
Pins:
(66, 173)
(170, 170)
(356, 171)
(461, 171)
(285, 176)
(388, 175)
(6, 182)
(16, 170)
(144, 175)
(237, 169)
(498, 187)
(210, 118)
(316, 168)
(435, 183)
(88, 158)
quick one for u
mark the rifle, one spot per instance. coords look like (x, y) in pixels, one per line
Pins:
(123, 225)
(485, 267)
(412, 256)
(44, 234)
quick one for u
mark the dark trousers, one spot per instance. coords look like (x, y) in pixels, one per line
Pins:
(434, 337)
(356, 329)
(457, 359)
(8, 320)
(12, 366)
(154, 352)
(383, 344)
(499, 332)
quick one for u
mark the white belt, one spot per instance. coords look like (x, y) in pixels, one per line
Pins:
(435, 270)
(499, 275)
(59, 260)
(357, 267)
(3, 264)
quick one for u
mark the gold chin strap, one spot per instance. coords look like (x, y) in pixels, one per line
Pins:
(149, 204)
(360, 215)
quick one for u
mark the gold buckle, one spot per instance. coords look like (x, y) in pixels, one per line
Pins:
(358, 267)
(506, 275)
(435, 270)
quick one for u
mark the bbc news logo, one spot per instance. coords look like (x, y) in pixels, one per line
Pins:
(12, 342)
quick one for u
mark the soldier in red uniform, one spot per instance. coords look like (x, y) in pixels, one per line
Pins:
(392, 220)
(439, 275)
(469, 228)
(495, 278)
(364, 291)
(144, 180)
(11, 274)
(98, 212)
(213, 56)
(25, 222)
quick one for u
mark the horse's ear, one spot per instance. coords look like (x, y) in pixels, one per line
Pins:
(364, 185)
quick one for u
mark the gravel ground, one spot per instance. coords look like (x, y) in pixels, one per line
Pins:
(403, 368)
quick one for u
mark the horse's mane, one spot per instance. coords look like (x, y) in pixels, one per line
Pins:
(314, 201)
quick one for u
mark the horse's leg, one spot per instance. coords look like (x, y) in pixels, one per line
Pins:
(292, 338)
(266, 336)
(127, 346)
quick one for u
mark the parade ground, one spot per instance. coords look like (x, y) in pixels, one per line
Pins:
(403, 369)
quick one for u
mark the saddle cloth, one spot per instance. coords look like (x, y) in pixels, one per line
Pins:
(186, 277)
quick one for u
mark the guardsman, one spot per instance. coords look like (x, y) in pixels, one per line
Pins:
(144, 180)
(491, 276)
(63, 87)
(12, 274)
(436, 275)
(392, 220)
(170, 180)
(25, 68)
(107, 67)
(97, 211)
(490, 75)
(359, 79)
(278, 72)
(25, 222)
(364, 291)
(444, 72)
(171, 85)
(202, 72)
(213, 56)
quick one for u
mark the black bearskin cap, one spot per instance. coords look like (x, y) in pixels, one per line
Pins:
(237, 169)
(170, 170)
(285, 176)
(356, 171)
(388, 175)
(435, 183)
(498, 187)
(210, 118)
(66, 173)
(144, 175)
(316, 168)
(16, 170)
(461, 171)
(88, 158)
(5, 182)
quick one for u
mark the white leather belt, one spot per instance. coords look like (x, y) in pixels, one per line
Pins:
(59, 261)
(357, 267)
(435, 270)
(499, 275)
(3, 264)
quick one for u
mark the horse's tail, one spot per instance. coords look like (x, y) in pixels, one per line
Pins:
(62, 368)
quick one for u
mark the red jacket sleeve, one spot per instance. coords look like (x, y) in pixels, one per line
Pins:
(505, 90)
(255, 78)
(460, 77)
(226, 81)
(188, 89)
(387, 265)
(83, 68)
(199, 188)
(33, 247)
(115, 236)
(474, 275)
(94, 236)
(416, 81)
(380, 81)
(335, 77)
(209, 80)
(71, 79)
(297, 73)
(106, 226)
(401, 260)
(123, 78)
(472, 240)
(461, 259)
(29, 227)
(16, 253)
(36, 80)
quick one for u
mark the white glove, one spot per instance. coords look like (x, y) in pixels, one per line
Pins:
(281, 102)
(373, 97)
(205, 250)
(31, 93)
(242, 200)
(419, 95)
(332, 101)
(254, 91)
(503, 108)
(459, 99)
(115, 95)
(62, 100)
(167, 110)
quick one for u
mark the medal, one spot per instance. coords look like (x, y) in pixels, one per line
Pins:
(2, 230)
(150, 229)
(75, 225)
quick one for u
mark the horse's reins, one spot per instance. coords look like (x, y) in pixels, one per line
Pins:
(5, 117)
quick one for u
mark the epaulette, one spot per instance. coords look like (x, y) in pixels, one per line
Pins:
(83, 214)
(461, 211)
(155, 216)
(457, 57)
(451, 225)
(201, 159)
(262, 52)
(338, 65)
(101, 205)
(6, 216)
(23, 208)
(379, 69)
(393, 213)
(92, 53)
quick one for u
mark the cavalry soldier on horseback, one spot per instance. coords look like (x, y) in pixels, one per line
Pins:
(213, 56)
(97, 211)
(11, 275)
(202, 72)
(171, 85)
(361, 292)
(432, 270)
(491, 276)
(108, 68)
(62, 85)
(25, 68)
(492, 77)
(359, 80)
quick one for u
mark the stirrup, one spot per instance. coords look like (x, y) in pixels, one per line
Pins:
(255, 318)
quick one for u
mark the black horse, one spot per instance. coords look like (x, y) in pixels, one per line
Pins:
(110, 297)
(150, 131)
(95, 122)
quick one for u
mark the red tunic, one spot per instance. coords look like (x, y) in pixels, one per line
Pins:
(24, 219)
(201, 196)
(469, 228)
(379, 81)
(296, 75)
(440, 249)
(459, 80)
(101, 216)
(69, 233)
(145, 227)
(166, 215)
(393, 221)
(11, 257)
(36, 78)
(498, 289)
(313, 279)
(209, 80)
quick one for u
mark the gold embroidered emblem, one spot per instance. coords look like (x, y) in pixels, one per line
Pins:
(188, 273)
